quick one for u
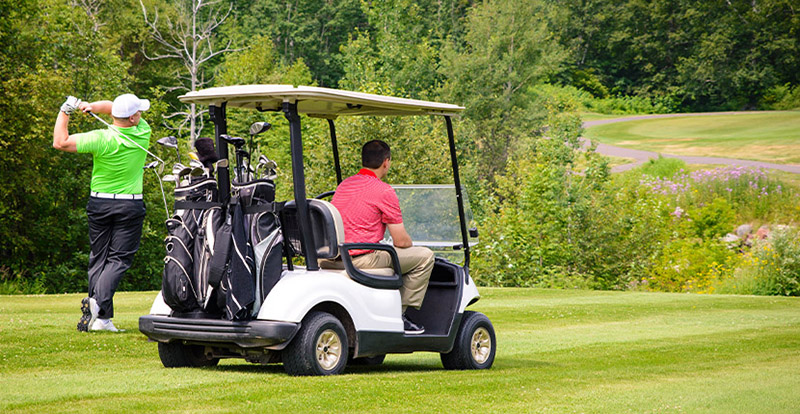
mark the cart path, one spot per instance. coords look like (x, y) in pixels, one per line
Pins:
(641, 156)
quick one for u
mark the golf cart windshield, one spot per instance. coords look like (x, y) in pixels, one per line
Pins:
(430, 216)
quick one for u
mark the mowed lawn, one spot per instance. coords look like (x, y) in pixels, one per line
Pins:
(559, 352)
(769, 136)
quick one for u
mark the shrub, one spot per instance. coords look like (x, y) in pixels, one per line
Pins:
(772, 267)
(689, 265)
(782, 97)
(663, 167)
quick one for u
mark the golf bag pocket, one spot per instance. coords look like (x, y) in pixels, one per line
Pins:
(268, 253)
(177, 283)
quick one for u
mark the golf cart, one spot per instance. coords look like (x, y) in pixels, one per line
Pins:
(317, 319)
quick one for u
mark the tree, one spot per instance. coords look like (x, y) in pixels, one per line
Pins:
(190, 36)
(507, 49)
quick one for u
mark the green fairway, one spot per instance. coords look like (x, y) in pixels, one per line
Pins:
(770, 136)
(559, 351)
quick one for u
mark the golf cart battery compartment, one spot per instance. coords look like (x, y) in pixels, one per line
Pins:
(248, 334)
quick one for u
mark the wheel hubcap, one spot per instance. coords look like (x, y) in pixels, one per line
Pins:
(329, 349)
(481, 345)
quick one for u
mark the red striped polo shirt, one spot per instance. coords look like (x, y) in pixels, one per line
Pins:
(367, 205)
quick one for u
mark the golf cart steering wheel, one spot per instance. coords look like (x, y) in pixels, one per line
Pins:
(325, 194)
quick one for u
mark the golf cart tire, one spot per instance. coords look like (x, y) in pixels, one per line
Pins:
(368, 361)
(470, 348)
(178, 355)
(319, 348)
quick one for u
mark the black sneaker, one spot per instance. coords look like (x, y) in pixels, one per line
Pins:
(90, 310)
(411, 328)
(83, 324)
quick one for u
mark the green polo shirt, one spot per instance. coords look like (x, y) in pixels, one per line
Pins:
(117, 161)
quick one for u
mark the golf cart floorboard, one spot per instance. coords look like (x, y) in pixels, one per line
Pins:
(245, 334)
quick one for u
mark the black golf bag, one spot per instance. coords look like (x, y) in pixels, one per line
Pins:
(246, 263)
(189, 244)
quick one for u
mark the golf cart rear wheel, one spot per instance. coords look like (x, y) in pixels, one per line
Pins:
(475, 344)
(319, 348)
(176, 355)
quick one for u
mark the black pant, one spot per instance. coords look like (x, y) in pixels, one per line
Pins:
(115, 229)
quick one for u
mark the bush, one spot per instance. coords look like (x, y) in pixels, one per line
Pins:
(689, 265)
(772, 267)
(782, 97)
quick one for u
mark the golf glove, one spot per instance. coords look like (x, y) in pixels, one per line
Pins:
(70, 105)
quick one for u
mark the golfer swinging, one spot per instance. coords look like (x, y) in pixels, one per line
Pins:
(115, 209)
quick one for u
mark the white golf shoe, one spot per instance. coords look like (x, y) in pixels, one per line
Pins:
(104, 325)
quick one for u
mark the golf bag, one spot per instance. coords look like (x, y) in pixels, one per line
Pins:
(247, 261)
(189, 242)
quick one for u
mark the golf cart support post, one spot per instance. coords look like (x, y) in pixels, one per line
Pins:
(328, 104)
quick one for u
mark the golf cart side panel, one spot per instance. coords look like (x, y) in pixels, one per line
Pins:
(371, 343)
(300, 290)
(469, 294)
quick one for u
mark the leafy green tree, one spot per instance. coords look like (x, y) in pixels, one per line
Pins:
(507, 49)
(304, 29)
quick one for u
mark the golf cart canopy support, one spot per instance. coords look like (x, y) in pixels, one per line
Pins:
(321, 103)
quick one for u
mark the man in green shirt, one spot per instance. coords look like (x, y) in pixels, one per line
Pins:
(115, 208)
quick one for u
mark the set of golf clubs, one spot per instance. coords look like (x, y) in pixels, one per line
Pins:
(244, 170)
(184, 175)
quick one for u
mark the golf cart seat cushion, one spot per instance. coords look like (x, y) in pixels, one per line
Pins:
(326, 225)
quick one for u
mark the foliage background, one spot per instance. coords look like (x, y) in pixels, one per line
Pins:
(550, 215)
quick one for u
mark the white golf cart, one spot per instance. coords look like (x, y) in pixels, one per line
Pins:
(315, 320)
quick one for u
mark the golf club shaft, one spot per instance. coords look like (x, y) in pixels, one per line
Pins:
(126, 137)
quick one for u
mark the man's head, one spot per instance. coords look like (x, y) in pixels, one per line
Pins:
(374, 153)
(127, 109)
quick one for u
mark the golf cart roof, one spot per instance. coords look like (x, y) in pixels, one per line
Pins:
(315, 101)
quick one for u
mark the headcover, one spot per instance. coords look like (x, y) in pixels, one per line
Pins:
(205, 151)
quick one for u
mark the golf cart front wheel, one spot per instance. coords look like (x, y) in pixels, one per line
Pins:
(475, 344)
(319, 348)
(177, 355)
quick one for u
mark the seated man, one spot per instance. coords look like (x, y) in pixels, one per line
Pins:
(368, 207)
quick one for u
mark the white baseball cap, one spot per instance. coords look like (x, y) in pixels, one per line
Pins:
(126, 105)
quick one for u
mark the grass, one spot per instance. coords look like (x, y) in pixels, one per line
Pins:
(768, 136)
(559, 352)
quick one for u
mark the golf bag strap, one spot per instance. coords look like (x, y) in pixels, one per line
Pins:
(258, 208)
(219, 259)
(195, 205)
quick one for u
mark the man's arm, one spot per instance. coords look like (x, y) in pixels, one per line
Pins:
(61, 138)
(400, 237)
(98, 107)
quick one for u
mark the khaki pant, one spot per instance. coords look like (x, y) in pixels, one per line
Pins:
(416, 263)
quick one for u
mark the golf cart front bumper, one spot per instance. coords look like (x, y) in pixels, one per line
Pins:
(246, 334)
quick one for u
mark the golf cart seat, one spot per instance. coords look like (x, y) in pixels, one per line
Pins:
(328, 235)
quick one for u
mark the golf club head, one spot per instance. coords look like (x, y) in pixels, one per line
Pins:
(259, 127)
(151, 165)
(221, 164)
(195, 164)
(169, 141)
(197, 172)
(180, 170)
(170, 178)
(237, 142)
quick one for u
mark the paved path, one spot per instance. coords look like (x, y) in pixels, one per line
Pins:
(641, 156)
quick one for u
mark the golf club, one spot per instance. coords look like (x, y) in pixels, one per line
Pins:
(151, 166)
(237, 143)
(170, 142)
(255, 129)
(113, 128)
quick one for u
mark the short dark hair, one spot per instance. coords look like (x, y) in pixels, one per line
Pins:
(373, 153)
